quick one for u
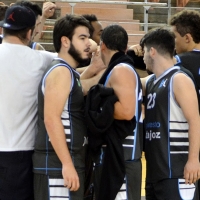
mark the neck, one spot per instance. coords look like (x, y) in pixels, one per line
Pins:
(68, 59)
(107, 56)
(13, 40)
(161, 65)
(196, 46)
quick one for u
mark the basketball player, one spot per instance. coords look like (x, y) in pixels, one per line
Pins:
(59, 157)
(172, 122)
(185, 26)
(121, 76)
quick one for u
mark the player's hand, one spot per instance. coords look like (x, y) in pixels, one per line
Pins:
(137, 49)
(96, 61)
(48, 10)
(70, 176)
(192, 171)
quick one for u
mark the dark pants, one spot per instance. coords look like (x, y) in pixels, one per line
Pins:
(16, 177)
(170, 189)
(48, 187)
(132, 180)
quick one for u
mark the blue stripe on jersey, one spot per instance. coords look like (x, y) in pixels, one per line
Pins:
(177, 59)
(57, 65)
(169, 160)
(33, 45)
(72, 138)
(48, 169)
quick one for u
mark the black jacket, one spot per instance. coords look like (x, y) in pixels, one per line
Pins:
(104, 129)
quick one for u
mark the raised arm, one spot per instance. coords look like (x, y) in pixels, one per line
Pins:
(93, 72)
(48, 10)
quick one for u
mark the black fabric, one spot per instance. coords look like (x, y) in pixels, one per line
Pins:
(1, 39)
(119, 57)
(138, 60)
(104, 129)
(16, 176)
(167, 189)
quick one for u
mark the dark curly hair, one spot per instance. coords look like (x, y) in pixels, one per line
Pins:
(187, 21)
(115, 37)
(162, 39)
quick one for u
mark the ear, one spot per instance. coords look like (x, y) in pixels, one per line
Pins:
(188, 38)
(102, 46)
(29, 35)
(152, 52)
(65, 42)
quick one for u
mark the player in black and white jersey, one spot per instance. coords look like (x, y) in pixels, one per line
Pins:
(122, 77)
(186, 27)
(59, 157)
(171, 121)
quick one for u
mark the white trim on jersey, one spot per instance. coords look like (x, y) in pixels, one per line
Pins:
(186, 191)
(66, 122)
(128, 145)
(122, 194)
(130, 137)
(178, 126)
(57, 191)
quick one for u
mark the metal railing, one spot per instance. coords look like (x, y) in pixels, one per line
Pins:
(145, 4)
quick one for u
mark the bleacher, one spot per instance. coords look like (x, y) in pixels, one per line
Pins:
(106, 14)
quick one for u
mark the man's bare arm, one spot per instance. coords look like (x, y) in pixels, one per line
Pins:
(57, 89)
(47, 11)
(186, 97)
(123, 81)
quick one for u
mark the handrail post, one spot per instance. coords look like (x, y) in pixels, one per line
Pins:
(72, 7)
(146, 17)
(169, 10)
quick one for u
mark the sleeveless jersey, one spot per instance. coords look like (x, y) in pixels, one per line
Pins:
(166, 140)
(45, 160)
(191, 61)
(133, 144)
(32, 45)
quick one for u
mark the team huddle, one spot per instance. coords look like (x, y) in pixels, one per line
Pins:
(74, 123)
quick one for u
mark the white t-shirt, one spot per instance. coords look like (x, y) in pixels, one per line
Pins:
(21, 69)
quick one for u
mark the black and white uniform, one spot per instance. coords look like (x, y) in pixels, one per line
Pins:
(166, 140)
(132, 146)
(191, 61)
(45, 160)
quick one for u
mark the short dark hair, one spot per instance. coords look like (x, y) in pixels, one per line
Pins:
(91, 18)
(187, 21)
(66, 26)
(162, 39)
(21, 34)
(115, 37)
(3, 9)
(33, 6)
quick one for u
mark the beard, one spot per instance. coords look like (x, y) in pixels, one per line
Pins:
(76, 55)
